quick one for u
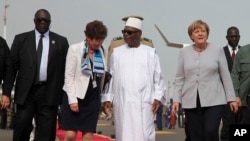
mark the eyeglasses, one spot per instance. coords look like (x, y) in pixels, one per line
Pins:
(233, 36)
(39, 20)
(129, 32)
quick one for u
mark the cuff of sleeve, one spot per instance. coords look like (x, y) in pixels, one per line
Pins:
(72, 100)
(107, 97)
(161, 98)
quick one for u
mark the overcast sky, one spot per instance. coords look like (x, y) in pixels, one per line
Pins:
(69, 18)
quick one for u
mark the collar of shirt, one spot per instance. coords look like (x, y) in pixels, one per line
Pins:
(46, 34)
(231, 50)
(38, 35)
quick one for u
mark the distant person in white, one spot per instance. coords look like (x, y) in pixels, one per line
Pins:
(32, 134)
(137, 88)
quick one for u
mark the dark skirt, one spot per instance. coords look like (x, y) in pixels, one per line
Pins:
(89, 107)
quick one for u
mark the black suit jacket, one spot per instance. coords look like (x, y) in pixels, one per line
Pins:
(229, 58)
(24, 60)
(5, 67)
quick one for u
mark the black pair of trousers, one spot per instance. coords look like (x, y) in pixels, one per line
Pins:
(228, 118)
(203, 122)
(245, 113)
(45, 117)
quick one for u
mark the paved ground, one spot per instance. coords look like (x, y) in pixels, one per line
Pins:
(176, 134)
(106, 128)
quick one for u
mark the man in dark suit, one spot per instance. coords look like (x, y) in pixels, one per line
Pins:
(233, 38)
(5, 67)
(38, 89)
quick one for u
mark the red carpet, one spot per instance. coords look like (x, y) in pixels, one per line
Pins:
(97, 137)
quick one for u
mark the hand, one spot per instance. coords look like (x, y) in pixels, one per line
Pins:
(156, 105)
(175, 107)
(74, 107)
(234, 106)
(5, 102)
(107, 108)
(238, 101)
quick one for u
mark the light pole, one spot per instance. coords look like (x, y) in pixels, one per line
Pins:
(5, 20)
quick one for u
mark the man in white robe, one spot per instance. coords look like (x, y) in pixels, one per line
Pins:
(137, 87)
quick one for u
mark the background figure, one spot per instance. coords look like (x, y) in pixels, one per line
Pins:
(85, 69)
(230, 50)
(159, 118)
(172, 118)
(5, 67)
(32, 134)
(135, 103)
(167, 117)
(10, 114)
(38, 58)
(203, 85)
(181, 118)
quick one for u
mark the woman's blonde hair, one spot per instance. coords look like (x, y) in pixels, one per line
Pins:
(197, 24)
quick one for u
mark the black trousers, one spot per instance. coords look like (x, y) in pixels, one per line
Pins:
(228, 118)
(245, 113)
(45, 117)
(204, 122)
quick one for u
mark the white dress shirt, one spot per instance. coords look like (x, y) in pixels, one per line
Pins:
(45, 53)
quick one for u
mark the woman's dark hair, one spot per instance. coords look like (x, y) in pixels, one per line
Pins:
(96, 30)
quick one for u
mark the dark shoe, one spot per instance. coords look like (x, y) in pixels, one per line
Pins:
(112, 136)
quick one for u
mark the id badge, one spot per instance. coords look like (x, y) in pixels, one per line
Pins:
(94, 84)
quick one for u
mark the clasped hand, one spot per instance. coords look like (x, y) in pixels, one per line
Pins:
(156, 105)
(5, 101)
(107, 109)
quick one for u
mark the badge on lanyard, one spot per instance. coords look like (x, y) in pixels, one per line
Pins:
(94, 84)
(94, 81)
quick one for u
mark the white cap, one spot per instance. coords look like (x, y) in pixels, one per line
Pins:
(134, 22)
